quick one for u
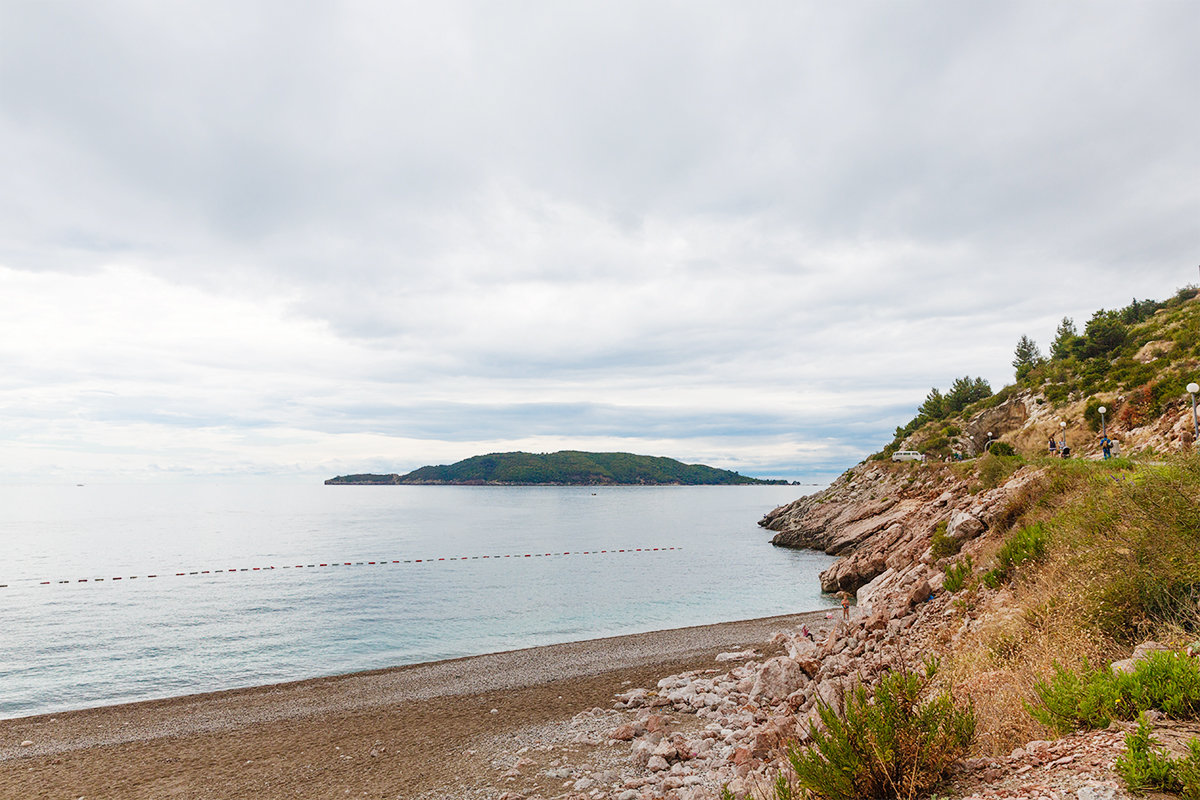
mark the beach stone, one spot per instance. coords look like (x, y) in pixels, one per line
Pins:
(641, 752)
(583, 784)
(919, 593)
(1100, 792)
(666, 750)
(627, 732)
(629, 794)
(27, 743)
(779, 677)
(657, 764)
(829, 692)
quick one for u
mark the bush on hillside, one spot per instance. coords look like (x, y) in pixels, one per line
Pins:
(1144, 768)
(941, 545)
(893, 744)
(1026, 544)
(994, 468)
(1089, 698)
(1002, 449)
(1135, 540)
(957, 574)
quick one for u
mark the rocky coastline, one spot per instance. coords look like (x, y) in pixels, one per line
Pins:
(692, 734)
(723, 720)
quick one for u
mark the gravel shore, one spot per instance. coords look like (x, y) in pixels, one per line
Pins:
(394, 733)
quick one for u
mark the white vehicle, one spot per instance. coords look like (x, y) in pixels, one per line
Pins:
(907, 455)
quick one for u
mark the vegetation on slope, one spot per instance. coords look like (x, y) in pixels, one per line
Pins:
(1096, 557)
(1134, 361)
(568, 467)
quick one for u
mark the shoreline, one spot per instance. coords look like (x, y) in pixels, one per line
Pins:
(415, 719)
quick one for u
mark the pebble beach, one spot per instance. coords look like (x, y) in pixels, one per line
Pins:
(425, 730)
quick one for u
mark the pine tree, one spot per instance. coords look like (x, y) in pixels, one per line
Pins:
(934, 406)
(1064, 339)
(964, 391)
(1027, 356)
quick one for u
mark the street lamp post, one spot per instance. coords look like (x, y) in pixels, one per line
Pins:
(988, 446)
(1063, 425)
(1192, 389)
(1103, 424)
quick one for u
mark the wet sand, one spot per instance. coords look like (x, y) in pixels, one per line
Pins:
(394, 733)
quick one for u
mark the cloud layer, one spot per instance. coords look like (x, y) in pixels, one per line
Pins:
(266, 240)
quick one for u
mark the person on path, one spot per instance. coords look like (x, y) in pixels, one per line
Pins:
(1053, 444)
(1106, 446)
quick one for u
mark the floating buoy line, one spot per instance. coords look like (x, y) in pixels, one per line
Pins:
(331, 564)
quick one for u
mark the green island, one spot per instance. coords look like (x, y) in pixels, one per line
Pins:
(564, 468)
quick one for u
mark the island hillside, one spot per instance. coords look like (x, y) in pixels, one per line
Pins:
(564, 468)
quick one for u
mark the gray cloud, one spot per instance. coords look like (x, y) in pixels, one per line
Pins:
(594, 220)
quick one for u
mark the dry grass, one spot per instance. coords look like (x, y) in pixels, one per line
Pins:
(1107, 528)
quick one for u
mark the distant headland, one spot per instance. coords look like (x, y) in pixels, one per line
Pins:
(565, 468)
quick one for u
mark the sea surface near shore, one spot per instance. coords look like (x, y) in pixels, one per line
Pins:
(401, 732)
(523, 567)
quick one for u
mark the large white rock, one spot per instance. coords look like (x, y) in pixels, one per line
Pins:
(963, 526)
(778, 678)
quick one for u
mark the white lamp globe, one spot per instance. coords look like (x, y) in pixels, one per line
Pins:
(1102, 410)
(1193, 388)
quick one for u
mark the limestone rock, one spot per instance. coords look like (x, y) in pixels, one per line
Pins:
(778, 678)
(1140, 653)
(963, 526)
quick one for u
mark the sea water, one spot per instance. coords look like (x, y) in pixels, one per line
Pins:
(522, 567)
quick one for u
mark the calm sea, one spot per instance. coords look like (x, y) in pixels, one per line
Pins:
(71, 644)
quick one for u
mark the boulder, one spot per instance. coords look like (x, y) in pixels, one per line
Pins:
(627, 732)
(1140, 653)
(919, 592)
(778, 678)
(963, 526)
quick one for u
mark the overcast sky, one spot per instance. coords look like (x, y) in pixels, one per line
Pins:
(293, 240)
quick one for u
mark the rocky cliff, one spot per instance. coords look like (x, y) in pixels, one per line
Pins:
(881, 518)
(880, 515)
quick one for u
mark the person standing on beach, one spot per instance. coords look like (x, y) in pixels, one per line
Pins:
(845, 604)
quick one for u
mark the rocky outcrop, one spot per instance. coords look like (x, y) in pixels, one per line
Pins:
(881, 516)
(752, 713)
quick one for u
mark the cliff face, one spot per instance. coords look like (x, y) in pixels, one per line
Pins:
(881, 517)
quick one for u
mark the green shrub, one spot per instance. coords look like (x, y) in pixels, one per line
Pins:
(1139, 537)
(942, 545)
(1143, 768)
(995, 468)
(957, 574)
(1074, 700)
(1091, 414)
(1002, 449)
(891, 745)
(1057, 393)
(1092, 698)
(1027, 544)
